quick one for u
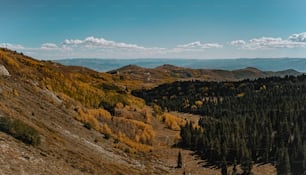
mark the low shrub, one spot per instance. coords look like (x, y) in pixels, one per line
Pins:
(87, 125)
(20, 130)
(106, 131)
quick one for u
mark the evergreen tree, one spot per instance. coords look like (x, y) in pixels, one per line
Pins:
(304, 158)
(179, 160)
(283, 167)
(185, 134)
(246, 166)
(235, 168)
(223, 168)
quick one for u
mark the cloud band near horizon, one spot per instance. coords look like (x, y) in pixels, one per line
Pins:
(102, 48)
(293, 41)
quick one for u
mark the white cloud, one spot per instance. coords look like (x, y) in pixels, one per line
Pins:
(12, 46)
(212, 45)
(269, 43)
(49, 46)
(300, 37)
(88, 47)
(92, 42)
(199, 45)
(45, 46)
(238, 43)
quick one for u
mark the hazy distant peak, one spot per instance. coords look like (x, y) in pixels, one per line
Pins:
(252, 68)
(169, 67)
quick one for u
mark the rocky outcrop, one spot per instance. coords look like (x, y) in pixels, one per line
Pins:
(4, 71)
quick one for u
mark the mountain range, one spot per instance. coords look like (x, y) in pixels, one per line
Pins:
(265, 64)
(149, 77)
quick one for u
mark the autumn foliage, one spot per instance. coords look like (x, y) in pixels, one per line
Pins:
(94, 96)
(172, 122)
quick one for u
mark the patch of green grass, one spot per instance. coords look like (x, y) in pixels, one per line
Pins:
(20, 130)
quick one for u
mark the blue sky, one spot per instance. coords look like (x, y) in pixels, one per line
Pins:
(53, 29)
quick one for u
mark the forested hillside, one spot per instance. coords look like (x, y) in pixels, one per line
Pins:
(246, 122)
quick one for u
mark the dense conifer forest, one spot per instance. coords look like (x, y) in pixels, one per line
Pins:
(244, 122)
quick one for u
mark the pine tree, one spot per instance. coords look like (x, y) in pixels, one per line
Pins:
(304, 158)
(235, 168)
(185, 133)
(223, 168)
(246, 166)
(283, 167)
(179, 160)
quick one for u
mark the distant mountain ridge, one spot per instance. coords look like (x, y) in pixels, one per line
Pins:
(148, 77)
(265, 64)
